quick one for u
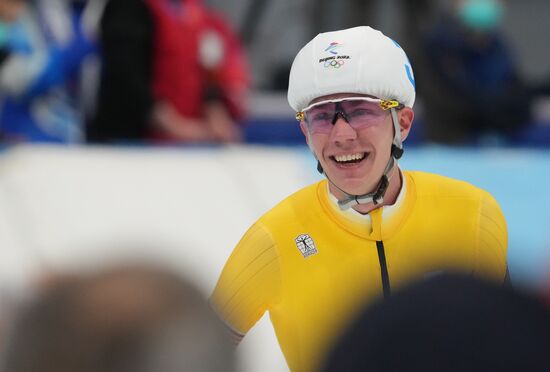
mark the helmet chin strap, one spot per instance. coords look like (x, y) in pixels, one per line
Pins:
(377, 196)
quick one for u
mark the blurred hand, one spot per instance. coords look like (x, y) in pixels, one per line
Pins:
(178, 128)
(217, 126)
(221, 125)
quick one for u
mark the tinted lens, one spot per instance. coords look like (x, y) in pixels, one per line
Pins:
(359, 114)
(319, 118)
(362, 112)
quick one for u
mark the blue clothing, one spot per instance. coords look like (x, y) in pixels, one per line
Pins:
(478, 69)
(472, 83)
(40, 77)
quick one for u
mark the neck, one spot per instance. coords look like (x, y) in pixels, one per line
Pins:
(389, 198)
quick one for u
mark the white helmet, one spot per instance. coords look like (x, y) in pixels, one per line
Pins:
(355, 60)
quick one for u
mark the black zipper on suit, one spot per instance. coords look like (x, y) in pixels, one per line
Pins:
(383, 269)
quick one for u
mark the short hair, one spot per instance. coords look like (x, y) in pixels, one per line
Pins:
(127, 319)
(448, 323)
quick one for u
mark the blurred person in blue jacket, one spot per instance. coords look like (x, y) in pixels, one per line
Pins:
(472, 81)
(45, 46)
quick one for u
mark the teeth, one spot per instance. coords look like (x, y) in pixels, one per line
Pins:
(349, 157)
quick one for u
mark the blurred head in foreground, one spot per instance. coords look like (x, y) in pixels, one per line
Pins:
(449, 323)
(130, 319)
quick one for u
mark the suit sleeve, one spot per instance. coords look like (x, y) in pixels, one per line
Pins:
(492, 240)
(249, 283)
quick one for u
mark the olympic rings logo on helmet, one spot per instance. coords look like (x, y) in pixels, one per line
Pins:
(334, 63)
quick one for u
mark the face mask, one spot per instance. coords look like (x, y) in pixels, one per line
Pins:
(482, 15)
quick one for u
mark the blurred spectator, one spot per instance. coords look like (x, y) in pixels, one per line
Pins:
(448, 323)
(413, 17)
(6, 312)
(173, 72)
(129, 319)
(471, 80)
(44, 46)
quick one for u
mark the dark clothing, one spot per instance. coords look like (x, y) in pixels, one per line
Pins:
(125, 99)
(4, 53)
(471, 84)
(448, 323)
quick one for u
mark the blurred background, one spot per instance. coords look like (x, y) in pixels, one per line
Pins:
(164, 124)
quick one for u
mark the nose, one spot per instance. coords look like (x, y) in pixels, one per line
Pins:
(342, 132)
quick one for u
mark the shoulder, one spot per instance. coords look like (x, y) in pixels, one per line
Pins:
(477, 223)
(452, 195)
(255, 246)
(260, 236)
(460, 196)
(303, 202)
(430, 184)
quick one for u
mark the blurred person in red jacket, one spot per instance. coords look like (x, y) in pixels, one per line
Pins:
(173, 71)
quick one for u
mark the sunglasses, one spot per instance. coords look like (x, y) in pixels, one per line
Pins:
(358, 112)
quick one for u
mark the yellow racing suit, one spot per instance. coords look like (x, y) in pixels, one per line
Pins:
(313, 266)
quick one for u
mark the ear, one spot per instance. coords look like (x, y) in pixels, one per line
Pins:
(304, 131)
(406, 117)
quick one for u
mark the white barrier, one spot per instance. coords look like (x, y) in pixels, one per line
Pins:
(75, 208)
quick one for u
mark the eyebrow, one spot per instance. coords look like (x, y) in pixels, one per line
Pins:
(357, 102)
(322, 106)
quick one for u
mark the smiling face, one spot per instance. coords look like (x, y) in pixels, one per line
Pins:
(355, 159)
